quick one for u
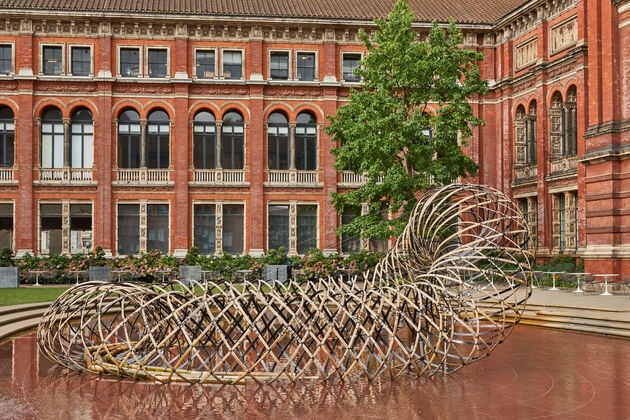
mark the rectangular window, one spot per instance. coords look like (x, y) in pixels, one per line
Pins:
(6, 225)
(157, 62)
(204, 63)
(279, 65)
(350, 63)
(306, 228)
(80, 228)
(7, 143)
(128, 229)
(50, 228)
(205, 228)
(157, 227)
(349, 244)
(81, 61)
(562, 217)
(306, 66)
(278, 227)
(6, 61)
(129, 62)
(233, 228)
(52, 56)
(232, 64)
(52, 145)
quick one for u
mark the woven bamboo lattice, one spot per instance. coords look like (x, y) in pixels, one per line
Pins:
(443, 297)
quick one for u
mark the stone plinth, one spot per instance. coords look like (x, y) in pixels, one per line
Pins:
(276, 272)
(9, 277)
(99, 273)
(189, 273)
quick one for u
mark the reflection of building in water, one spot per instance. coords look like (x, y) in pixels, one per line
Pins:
(178, 127)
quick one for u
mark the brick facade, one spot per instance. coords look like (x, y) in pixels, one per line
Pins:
(557, 72)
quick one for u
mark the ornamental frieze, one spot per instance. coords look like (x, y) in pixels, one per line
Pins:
(286, 91)
(526, 53)
(142, 89)
(564, 35)
(64, 87)
(218, 90)
(8, 85)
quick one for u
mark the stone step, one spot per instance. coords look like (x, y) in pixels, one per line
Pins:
(577, 327)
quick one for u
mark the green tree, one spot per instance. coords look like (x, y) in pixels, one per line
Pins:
(401, 128)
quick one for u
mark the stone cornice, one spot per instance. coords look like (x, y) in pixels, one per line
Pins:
(607, 128)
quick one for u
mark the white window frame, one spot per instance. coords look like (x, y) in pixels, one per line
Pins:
(69, 58)
(145, 68)
(216, 63)
(317, 221)
(12, 202)
(12, 45)
(242, 51)
(64, 62)
(295, 61)
(287, 51)
(343, 53)
(140, 61)
(90, 202)
(298, 204)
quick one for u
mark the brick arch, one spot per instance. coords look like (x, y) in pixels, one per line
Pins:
(555, 89)
(4, 101)
(571, 83)
(40, 106)
(530, 101)
(282, 107)
(75, 104)
(235, 106)
(203, 106)
(126, 104)
(519, 103)
(151, 106)
(309, 106)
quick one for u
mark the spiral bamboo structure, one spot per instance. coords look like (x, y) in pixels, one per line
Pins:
(443, 297)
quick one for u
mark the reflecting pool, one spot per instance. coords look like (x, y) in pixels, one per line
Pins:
(536, 373)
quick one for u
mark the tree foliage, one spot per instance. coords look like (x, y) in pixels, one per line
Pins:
(409, 86)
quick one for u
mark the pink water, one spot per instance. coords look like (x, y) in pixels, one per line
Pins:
(536, 373)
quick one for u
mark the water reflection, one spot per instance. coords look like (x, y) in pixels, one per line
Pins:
(536, 373)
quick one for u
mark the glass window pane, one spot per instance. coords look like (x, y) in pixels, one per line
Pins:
(233, 228)
(129, 62)
(205, 228)
(351, 62)
(157, 227)
(6, 225)
(306, 228)
(157, 63)
(128, 229)
(278, 226)
(306, 66)
(349, 244)
(6, 66)
(205, 64)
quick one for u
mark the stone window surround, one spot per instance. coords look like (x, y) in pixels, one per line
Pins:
(12, 44)
(64, 61)
(65, 220)
(12, 202)
(142, 213)
(295, 61)
(290, 72)
(69, 58)
(216, 62)
(143, 140)
(141, 67)
(293, 213)
(218, 222)
(564, 192)
(233, 49)
(341, 56)
(144, 60)
(292, 127)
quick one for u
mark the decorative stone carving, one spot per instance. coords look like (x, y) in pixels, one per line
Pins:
(564, 35)
(526, 53)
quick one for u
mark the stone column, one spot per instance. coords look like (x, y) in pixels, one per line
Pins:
(143, 226)
(365, 242)
(569, 208)
(143, 144)
(532, 215)
(66, 142)
(292, 228)
(65, 227)
(218, 229)
(292, 145)
(219, 124)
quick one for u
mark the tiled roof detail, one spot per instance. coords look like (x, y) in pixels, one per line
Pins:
(472, 11)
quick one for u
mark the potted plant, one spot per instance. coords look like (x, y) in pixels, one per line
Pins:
(8, 273)
(189, 269)
(99, 269)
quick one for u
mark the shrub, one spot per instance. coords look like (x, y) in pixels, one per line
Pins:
(6, 257)
(192, 256)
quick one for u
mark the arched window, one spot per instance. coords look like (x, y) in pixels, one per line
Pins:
(557, 126)
(7, 137)
(158, 136)
(278, 152)
(129, 139)
(52, 150)
(232, 139)
(306, 142)
(531, 134)
(570, 123)
(520, 141)
(82, 143)
(204, 141)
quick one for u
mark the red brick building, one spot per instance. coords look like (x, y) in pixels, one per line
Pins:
(146, 125)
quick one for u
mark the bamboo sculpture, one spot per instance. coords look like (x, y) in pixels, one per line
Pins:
(448, 292)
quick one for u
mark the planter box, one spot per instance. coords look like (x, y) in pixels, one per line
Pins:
(279, 273)
(99, 273)
(189, 273)
(9, 277)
